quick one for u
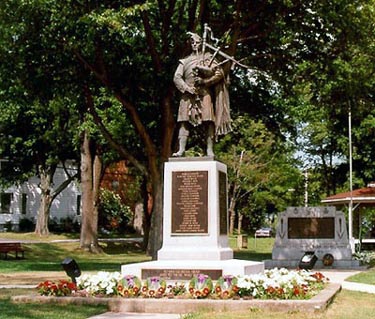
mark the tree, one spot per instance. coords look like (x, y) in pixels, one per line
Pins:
(258, 167)
(127, 49)
(110, 51)
(36, 120)
(340, 80)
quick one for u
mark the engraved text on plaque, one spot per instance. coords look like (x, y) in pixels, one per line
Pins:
(189, 202)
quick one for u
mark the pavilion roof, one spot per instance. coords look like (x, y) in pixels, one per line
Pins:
(365, 195)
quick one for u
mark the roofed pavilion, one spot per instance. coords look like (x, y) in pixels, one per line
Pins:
(353, 200)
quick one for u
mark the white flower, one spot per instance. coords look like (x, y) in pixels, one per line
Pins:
(102, 282)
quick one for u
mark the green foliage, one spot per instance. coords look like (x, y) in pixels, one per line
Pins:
(67, 225)
(112, 212)
(260, 170)
(38, 117)
(310, 61)
(26, 225)
(366, 258)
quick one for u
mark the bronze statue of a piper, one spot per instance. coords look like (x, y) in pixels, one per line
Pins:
(205, 100)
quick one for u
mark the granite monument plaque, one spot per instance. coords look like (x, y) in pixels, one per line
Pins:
(180, 274)
(190, 202)
(311, 227)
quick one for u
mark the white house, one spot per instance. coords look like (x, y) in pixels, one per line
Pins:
(23, 201)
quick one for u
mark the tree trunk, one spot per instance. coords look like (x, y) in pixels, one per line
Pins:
(232, 217)
(46, 176)
(90, 179)
(239, 229)
(156, 231)
(146, 196)
(232, 214)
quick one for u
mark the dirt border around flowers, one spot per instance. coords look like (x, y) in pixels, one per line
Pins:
(163, 305)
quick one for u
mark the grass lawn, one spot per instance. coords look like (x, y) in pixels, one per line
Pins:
(364, 277)
(10, 310)
(347, 305)
(43, 261)
(47, 256)
(258, 249)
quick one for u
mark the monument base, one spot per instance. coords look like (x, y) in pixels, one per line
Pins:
(192, 253)
(318, 230)
(293, 264)
(185, 269)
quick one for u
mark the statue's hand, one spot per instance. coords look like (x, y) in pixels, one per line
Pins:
(199, 81)
(190, 89)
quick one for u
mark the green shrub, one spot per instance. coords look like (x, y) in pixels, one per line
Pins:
(26, 225)
(113, 214)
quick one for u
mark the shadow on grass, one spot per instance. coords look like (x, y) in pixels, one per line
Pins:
(251, 255)
(116, 248)
(48, 257)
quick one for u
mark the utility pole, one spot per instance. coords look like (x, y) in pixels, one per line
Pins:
(350, 212)
(306, 187)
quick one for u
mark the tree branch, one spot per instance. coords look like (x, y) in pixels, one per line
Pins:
(63, 185)
(108, 136)
(151, 42)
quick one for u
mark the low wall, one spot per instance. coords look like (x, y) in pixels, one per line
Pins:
(140, 305)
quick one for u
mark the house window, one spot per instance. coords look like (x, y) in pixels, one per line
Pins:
(5, 200)
(23, 204)
(78, 205)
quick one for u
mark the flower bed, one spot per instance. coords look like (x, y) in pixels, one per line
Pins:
(272, 284)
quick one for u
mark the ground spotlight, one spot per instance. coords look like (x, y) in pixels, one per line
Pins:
(308, 260)
(71, 268)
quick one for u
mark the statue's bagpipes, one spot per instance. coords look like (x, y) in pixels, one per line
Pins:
(207, 33)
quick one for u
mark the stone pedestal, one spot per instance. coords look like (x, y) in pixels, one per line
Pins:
(195, 211)
(195, 225)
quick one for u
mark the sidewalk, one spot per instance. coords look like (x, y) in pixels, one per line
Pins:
(129, 315)
(338, 276)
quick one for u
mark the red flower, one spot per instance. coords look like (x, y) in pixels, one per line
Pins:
(296, 291)
(270, 290)
(280, 291)
(318, 276)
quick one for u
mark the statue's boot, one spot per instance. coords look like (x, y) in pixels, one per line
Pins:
(182, 146)
(210, 146)
(210, 139)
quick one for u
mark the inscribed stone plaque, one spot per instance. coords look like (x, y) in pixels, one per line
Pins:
(311, 227)
(189, 202)
(223, 211)
(180, 274)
